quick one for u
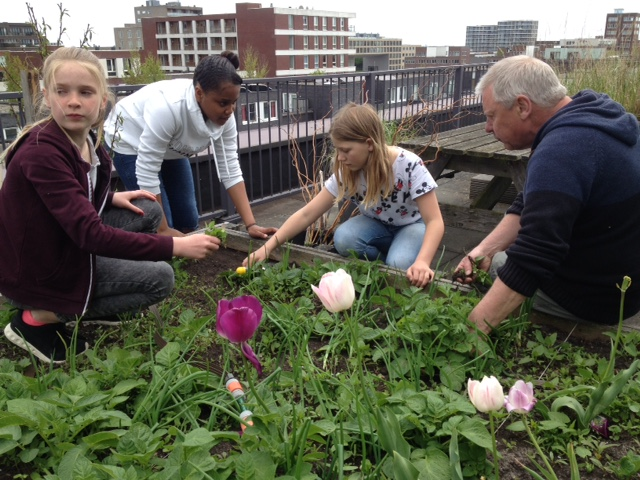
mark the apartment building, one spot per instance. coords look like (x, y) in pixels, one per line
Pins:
(503, 36)
(625, 29)
(18, 35)
(482, 38)
(129, 37)
(291, 41)
(439, 56)
(374, 52)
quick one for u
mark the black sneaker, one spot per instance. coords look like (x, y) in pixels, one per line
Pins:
(49, 342)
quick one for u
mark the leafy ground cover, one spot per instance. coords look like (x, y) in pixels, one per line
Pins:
(377, 391)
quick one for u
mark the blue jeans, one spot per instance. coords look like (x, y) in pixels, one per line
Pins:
(371, 239)
(176, 187)
(126, 286)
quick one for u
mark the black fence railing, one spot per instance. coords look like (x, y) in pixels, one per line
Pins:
(283, 123)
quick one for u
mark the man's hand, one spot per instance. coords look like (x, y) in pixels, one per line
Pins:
(465, 272)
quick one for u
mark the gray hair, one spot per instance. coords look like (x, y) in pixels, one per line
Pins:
(522, 75)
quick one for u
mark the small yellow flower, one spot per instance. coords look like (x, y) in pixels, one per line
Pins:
(241, 270)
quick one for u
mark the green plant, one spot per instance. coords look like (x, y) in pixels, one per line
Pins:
(216, 231)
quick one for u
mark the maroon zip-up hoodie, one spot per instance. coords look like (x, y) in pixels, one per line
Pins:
(50, 226)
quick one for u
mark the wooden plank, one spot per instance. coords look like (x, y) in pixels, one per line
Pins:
(296, 254)
(492, 193)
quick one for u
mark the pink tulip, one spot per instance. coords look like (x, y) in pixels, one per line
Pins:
(237, 321)
(520, 398)
(487, 395)
(336, 291)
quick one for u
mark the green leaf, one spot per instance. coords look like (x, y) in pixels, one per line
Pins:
(169, 355)
(403, 468)
(390, 435)
(198, 438)
(475, 431)
(452, 376)
(434, 465)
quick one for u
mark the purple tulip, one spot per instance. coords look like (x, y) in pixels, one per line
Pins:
(600, 425)
(336, 291)
(520, 398)
(237, 321)
(487, 395)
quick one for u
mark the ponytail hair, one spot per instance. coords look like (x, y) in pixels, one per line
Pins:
(215, 70)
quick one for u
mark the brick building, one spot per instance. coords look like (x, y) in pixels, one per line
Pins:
(291, 41)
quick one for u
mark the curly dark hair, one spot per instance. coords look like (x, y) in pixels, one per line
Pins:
(216, 70)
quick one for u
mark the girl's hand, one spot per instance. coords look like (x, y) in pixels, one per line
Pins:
(259, 255)
(123, 199)
(419, 274)
(195, 246)
(256, 231)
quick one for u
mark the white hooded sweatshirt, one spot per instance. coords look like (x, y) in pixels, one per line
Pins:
(163, 121)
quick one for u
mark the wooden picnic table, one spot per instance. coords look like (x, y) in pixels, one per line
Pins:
(472, 149)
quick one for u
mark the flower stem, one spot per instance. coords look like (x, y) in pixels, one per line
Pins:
(538, 449)
(496, 466)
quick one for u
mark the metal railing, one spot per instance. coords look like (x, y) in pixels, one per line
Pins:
(283, 123)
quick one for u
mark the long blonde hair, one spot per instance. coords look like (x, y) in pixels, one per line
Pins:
(51, 65)
(359, 123)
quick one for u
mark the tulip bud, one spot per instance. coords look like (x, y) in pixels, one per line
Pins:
(336, 291)
(520, 398)
(487, 395)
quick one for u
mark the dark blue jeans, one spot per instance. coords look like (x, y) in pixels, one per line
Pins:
(176, 187)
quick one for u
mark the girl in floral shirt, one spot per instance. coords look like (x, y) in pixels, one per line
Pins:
(400, 222)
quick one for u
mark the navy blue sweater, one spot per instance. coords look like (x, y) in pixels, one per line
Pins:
(580, 211)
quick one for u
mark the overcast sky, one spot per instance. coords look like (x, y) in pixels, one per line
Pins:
(414, 21)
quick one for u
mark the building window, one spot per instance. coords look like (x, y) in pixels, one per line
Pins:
(292, 42)
(111, 67)
(306, 61)
(259, 112)
(341, 23)
(342, 43)
(342, 60)
(317, 61)
(398, 94)
(305, 22)
(292, 62)
(292, 104)
(324, 23)
(315, 23)
(305, 42)
(324, 43)
(335, 42)
(10, 133)
(290, 22)
(315, 43)
(333, 22)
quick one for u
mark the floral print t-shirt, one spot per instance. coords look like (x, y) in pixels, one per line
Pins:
(412, 180)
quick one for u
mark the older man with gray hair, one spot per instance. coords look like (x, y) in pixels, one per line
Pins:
(573, 233)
